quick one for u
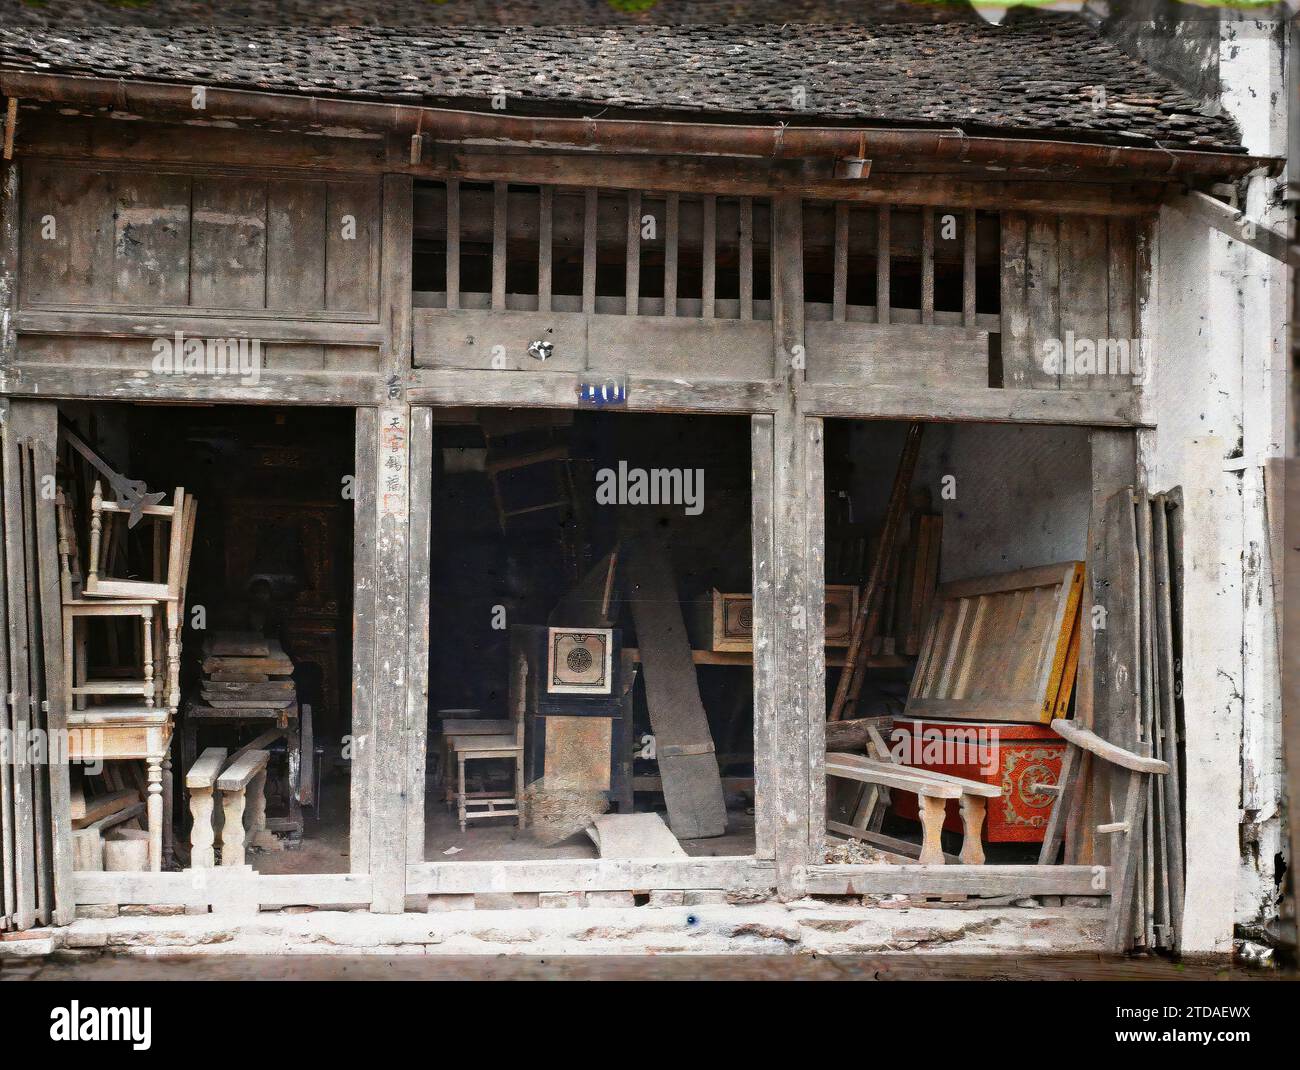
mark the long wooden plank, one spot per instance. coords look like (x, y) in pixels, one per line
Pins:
(790, 557)
(44, 886)
(1168, 712)
(766, 671)
(43, 420)
(8, 830)
(417, 656)
(692, 782)
(24, 851)
(364, 522)
(944, 880)
(814, 499)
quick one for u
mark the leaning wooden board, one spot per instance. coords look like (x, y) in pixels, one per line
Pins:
(998, 647)
(692, 783)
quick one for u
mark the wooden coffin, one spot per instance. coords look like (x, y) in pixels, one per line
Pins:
(725, 622)
(1017, 758)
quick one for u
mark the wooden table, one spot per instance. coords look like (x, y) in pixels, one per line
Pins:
(113, 733)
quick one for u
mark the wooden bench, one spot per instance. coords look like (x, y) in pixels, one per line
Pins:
(200, 781)
(244, 781)
(933, 790)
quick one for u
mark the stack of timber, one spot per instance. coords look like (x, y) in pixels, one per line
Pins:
(1137, 584)
(1158, 528)
(244, 671)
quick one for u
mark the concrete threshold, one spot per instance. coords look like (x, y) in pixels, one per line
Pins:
(806, 927)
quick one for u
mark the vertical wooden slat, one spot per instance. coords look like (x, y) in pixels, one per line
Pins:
(390, 790)
(297, 221)
(500, 191)
(968, 269)
(8, 891)
(364, 510)
(352, 262)
(9, 240)
(882, 264)
(417, 683)
(1013, 301)
(1042, 296)
(43, 419)
(545, 233)
(789, 630)
(453, 243)
(746, 258)
(591, 205)
(633, 286)
(1082, 301)
(766, 818)
(839, 299)
(814, 503)
(927, 265)
(710, 262)
(44, 878)
(1121, 248)
(24, 860)
(671, 231)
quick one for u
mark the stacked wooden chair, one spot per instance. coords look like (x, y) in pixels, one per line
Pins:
(134, 701)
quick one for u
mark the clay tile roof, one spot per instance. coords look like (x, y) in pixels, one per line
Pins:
(902, 64)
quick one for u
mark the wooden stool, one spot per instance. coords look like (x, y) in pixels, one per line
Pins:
(478, 804)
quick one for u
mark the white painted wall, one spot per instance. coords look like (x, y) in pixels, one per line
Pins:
(1218, 397)
(1021, 493)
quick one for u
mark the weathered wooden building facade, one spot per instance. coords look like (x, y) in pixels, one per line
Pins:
(790, 226)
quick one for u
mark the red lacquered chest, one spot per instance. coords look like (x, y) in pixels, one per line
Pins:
(1013, 756)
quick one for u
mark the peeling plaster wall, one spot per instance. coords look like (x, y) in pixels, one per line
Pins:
(1219, 398)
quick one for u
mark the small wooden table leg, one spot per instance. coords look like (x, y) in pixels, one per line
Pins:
(460, 793)
(154, 812)
(168, 807)
(932, 811)
(972, 819)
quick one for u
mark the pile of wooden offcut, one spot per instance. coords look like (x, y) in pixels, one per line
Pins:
(244, 671)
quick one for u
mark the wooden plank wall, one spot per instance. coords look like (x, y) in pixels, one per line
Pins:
(103, 238)
(1067, 277)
